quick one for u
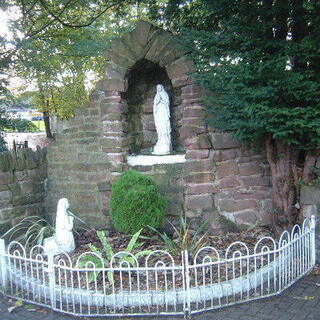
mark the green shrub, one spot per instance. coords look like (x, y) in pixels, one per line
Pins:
(136, 203)
(23, 125)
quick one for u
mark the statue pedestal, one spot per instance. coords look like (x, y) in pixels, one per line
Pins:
(150, 160)
(161, 149)
(52, 247)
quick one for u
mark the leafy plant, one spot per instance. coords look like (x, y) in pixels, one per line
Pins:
(136, 203)
(32, 230)
(107, 253)
(183, 238)
(4, 124)
(79, 224)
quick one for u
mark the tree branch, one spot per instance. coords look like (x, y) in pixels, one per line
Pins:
(57, 17)
(51, 21)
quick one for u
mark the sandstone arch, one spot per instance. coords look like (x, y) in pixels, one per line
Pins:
(91, 150)
(151, 43)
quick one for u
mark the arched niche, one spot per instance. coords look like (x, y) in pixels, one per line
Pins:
(142, 79)
(136, 63)
(93, 149)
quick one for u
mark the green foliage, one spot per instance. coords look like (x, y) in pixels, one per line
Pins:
(55, 45)
(107, 253)
(22, 125)
(133, 244)
(184, 238)
(260, 60)
(7, 123)
(136, 203)
(174, 14)
(60, 47)
(39, 124)
(3, 125)
(30, 231)
(59, 67)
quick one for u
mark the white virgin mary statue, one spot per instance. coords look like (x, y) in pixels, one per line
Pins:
(161, 114)
(62, 240)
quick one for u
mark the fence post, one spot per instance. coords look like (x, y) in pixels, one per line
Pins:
(313, 239)
(186, 271)
(52, 281)
(3, 265)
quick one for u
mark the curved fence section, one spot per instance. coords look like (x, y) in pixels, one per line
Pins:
(157, 283)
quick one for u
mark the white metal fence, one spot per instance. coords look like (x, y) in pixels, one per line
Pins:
(161, 284)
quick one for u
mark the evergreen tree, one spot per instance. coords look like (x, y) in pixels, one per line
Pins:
(260, 60)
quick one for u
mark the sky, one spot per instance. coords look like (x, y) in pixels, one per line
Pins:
(3, 23)
(5, 16)
(15, 82)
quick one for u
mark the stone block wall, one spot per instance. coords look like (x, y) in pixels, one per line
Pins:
(22, 185)
(242, 185)
(199, 165)
(77, 164)
(310, 204)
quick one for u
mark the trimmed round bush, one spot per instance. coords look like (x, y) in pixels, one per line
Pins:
(136, 203)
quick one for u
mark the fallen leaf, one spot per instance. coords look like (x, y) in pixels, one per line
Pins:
(18, 303)
(11, 309)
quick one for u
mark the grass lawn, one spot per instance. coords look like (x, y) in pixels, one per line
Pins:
(39, 124)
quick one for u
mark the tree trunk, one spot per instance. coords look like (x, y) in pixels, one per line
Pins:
(281, 19)
(290, 169)
(283, 161)
(267, 19)
(299, 30)
(308, 173)
(46, 120)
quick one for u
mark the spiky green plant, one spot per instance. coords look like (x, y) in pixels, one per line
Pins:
(108, 252)
(32, 230)
(183, 237)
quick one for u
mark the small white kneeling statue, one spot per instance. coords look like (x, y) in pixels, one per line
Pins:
(63, 240)
(161, 114)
